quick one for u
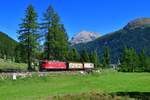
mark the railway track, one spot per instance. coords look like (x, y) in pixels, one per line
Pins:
(4, 75)
(19, 73)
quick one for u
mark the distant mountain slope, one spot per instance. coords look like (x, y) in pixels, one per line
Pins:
(7, 45)
(132, 35)
(139, 22)
(84, 37)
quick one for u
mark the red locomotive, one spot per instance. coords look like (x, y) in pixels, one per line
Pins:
(58, 65)
(52, 65)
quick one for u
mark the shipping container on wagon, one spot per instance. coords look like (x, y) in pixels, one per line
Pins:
(88, 65)
(75, 65)
(53, 65)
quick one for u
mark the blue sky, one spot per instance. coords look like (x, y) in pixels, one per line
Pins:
(101, 16)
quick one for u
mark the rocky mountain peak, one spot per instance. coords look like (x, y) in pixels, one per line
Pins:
(139, 22)
(84, 37)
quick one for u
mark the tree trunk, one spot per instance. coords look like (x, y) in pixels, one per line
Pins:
(29, 61)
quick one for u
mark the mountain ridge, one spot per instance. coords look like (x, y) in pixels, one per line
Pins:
(84, 37)
(132, 37)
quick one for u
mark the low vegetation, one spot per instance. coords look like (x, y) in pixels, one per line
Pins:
(6, 65)
(89, 96)
(54, 85)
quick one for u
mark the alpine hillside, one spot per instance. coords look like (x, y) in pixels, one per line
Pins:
(7, 46)
(136, 34)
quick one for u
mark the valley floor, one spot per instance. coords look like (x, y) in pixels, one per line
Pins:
(44, 87)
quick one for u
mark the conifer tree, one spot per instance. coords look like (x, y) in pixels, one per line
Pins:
(124, 60)
(56, 42)
(129, 60)
(95, 59)
(106, 57)
(85, 56)
(144, 61)
(28, 35)
(148, 63)
(73, 55)
(134, 60)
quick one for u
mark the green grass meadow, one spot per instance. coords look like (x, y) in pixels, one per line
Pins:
(39, 88)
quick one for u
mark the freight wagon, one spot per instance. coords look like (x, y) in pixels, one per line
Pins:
(75, 66)
(88, 65)
(46, 65)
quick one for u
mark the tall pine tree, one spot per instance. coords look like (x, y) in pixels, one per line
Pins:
(28, 35)
(124, 60)
(144, 61)
(85, 56)
(134, 60)
(56, 42)
(106, 57)
(95, 59)
(73, 55)
(129, 60)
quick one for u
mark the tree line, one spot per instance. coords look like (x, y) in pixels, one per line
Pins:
(129, 61)
(132, 62)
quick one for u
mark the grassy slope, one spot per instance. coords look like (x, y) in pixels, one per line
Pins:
(39, 87)
(11, 65)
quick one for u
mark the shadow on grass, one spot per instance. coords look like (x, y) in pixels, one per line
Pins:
(104, 96)
(136, 95)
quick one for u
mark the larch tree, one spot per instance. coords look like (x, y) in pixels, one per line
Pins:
(85, 56)
(144, 61)
(124, 60)
(56, 40)
(73, 55)
(129, 60)
(106, 57)
(134, 60)
(28, 35)
(95, 59)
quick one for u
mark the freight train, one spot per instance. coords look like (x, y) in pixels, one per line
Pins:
(46, 65)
